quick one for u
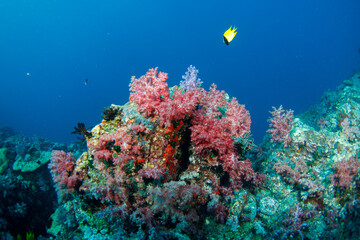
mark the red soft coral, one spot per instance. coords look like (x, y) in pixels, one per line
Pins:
(149, 91)
(213, 101)
(212, 130)
(181, 105)
(346, 170)
(62, 170)
(237, 120)
(208, 135)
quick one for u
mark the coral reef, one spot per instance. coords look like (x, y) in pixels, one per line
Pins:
(27, 196)
(314, 177)
(165, 166)
(178, 163)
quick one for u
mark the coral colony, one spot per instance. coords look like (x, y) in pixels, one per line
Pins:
(180, 163)
(166, 161)
(174, 163)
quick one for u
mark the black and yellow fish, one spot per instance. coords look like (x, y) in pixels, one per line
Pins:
(229, 35)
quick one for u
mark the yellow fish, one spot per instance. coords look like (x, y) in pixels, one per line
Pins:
(229, 35)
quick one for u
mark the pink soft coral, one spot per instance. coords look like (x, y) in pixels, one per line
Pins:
(214, 137)
(237, 120)
(181, 105)
(213, 101)
(280, 125)
(218, 122)
(346, 170)
(208, 135)
(149, 91)
(62, 169)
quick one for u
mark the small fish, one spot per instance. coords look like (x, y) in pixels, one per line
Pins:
(229, 35)
(86, 81)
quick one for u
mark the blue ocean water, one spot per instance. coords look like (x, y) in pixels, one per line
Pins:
(285, 52)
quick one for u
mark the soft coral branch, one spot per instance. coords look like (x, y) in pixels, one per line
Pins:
(181, 105)
(191, 81)
(237, 120)
(62, 170)
(280, 125)
(149, 91)
(208, 135)
(345, 171)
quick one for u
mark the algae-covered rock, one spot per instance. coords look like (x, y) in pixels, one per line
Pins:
(4, 161)
(31, 162)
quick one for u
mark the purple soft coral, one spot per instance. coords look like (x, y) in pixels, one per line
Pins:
(191, 82)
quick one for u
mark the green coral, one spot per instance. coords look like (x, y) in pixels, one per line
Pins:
(31, 162)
